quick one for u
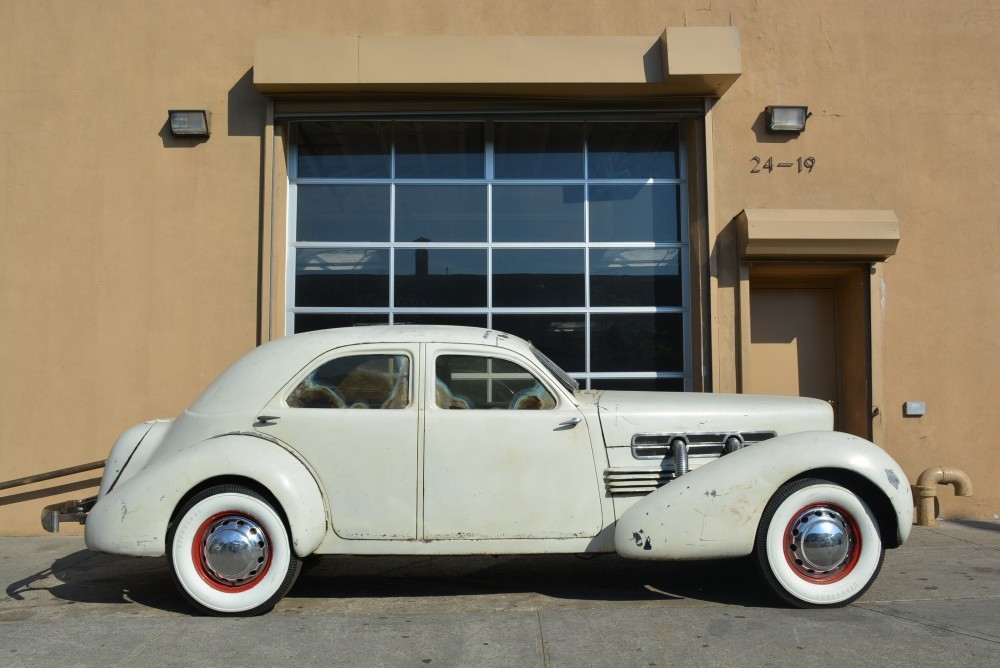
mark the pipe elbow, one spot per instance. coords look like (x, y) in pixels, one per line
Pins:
(957, 479)
(925, 490)
(944, 475)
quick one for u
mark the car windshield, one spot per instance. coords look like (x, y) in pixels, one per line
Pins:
(564, 378)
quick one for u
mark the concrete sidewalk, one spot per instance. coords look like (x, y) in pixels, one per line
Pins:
(937, 601)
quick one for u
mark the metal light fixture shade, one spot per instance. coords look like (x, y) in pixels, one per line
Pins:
(190, 122)
(786, 118)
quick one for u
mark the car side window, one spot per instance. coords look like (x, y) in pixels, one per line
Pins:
(473, 382)
(357, 381)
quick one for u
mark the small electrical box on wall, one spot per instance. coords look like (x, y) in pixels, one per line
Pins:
(915, 408)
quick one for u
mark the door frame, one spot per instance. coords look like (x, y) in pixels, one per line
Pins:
(859, 323)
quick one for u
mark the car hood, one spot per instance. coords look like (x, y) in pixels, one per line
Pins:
(624, 414)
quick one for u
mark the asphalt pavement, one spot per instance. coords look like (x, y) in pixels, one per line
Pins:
(936, 602)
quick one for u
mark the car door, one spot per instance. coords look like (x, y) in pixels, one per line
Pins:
(507, 454)
(353, 417)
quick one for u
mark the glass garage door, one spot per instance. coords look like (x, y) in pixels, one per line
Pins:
(571, 234)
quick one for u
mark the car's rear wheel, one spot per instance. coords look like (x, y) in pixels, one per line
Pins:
(230, 553)
(818, 544)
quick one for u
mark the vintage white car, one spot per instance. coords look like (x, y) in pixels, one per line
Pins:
(428, 440)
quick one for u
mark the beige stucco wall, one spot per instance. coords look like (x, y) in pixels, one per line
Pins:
(130, 260)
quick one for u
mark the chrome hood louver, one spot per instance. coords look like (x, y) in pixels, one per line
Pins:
(653, 437)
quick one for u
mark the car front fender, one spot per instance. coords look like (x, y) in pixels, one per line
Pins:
(714, 511)
(132, 518)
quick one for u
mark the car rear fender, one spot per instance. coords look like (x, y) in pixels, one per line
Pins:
(714, 511)
(132, 518)
(131, 452)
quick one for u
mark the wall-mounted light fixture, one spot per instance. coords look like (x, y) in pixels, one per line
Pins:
(190, 122)
(786, 118)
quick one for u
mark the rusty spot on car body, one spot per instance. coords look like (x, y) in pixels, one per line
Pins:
(741, 510)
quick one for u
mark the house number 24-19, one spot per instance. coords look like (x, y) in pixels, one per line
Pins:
(760, 165)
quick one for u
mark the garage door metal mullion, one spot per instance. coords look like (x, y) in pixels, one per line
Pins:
(586, 253)
(291, 232)
(685, 256)
(489, 173)
(392, 223)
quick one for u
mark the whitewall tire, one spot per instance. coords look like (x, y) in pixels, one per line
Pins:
(230, 553)
(818, 544)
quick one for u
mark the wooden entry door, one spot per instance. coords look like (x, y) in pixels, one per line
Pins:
(809, 337)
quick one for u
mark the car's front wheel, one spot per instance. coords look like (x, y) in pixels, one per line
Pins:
(818, 544)
(230, 553)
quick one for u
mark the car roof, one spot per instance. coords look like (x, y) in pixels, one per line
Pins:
(250, 382)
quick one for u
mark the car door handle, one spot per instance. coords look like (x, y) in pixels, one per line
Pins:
(572, 422)
(268, 418)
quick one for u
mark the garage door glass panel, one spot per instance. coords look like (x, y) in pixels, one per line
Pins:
(343, 149)
(342, 277)
(457, 319)
(538, 213)
(532, 150)
(441, 213)
(640, 384)
(634, 212)
(310, 322)
(636, 341)
(632, 150)
(635, 277)
(352, 213)
(561, 337)
(546, 277)
(440, 277)
(440, 150)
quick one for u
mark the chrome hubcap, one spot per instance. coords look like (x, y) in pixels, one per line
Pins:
(821, 543)
(234, 550)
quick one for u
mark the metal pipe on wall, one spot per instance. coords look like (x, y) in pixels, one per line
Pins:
(925, 491)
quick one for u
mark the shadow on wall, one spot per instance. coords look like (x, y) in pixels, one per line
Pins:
(243, 117)
(170, 141)
(652, 63)
(245, 107)
(55, 491)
